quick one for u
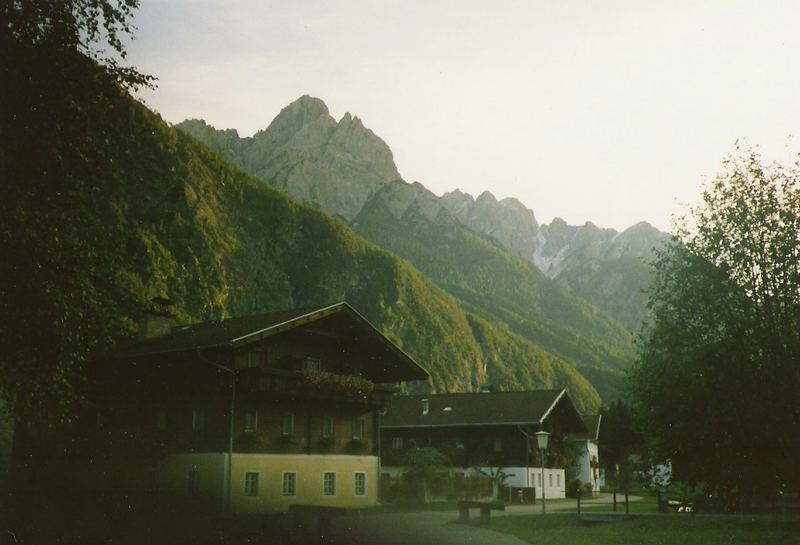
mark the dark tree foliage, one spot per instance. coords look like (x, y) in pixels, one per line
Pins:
(94, 28)
(619, 437)
(717, 383)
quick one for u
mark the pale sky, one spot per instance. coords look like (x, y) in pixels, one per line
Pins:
(607, 111)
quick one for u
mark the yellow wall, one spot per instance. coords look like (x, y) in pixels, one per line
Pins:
(309, 470)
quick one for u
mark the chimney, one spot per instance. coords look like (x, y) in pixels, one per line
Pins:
(156, 320)
(426, 407)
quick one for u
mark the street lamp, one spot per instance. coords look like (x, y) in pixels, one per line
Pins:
(542, 438)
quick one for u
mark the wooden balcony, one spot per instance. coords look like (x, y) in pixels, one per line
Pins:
(315, 386)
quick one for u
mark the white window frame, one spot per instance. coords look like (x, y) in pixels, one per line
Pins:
(363, 490)
(498, 445)
(558, 480)
(293, 481)
(397, 443)
(551, 480)
(325, 489)
(252, 483)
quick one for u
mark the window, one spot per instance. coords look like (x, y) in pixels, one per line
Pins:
(558, 480)
(551, 480)
(312, 364)
(327, 426)
(193, 482)
(358, 428)
(289, 487)
(460, 444)
(251, 421)
(161, 421)
(498, 445)
(426, 406)
(288, 424)
(539, 478)
(254, 358)
(198, 420)
(360, 484)
(329, 483)
(251, 483)
(397, 443)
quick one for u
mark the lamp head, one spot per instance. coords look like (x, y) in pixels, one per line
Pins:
(542, 438)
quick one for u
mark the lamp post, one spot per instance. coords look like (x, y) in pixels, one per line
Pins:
(542, 438)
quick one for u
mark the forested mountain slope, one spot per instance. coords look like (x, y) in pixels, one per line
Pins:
(413, 223)
(105, 206)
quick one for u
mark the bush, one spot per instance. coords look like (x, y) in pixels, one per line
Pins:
(575, 487)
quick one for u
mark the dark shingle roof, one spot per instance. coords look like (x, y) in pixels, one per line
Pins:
(217, 334)
(592, 423)
(473, 409)
(394, 364)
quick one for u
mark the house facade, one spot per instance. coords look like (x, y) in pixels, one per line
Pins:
(485, 432)
(589, 461)
(251, 414)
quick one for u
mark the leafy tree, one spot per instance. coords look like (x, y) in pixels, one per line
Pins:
(716, 383)
(424, 465)
(619, 437)
(90, 27)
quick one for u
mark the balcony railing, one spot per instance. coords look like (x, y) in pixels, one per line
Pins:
(318, 385)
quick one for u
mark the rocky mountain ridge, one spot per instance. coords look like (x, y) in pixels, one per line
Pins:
(474, 248)
(304, 152)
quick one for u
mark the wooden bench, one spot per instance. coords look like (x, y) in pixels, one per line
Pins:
(485, 507)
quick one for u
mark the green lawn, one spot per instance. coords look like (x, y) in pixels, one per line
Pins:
(410, 507)
(645, 505)
(564, 529)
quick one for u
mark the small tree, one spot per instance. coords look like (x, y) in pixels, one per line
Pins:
(424, 465)
(497, 475)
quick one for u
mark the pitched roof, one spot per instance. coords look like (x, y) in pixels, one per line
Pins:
(222, 333)
(237, 332)
(592, 422)
(477, 409)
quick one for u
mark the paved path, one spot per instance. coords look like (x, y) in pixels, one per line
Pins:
(437, 527)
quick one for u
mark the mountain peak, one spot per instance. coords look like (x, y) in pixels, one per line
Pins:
(310, 106)
(487, 196)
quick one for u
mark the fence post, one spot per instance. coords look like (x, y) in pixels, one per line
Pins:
(579, 502)
(627, 510)
(615, 499)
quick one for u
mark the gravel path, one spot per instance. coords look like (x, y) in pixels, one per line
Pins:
(436, 527)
